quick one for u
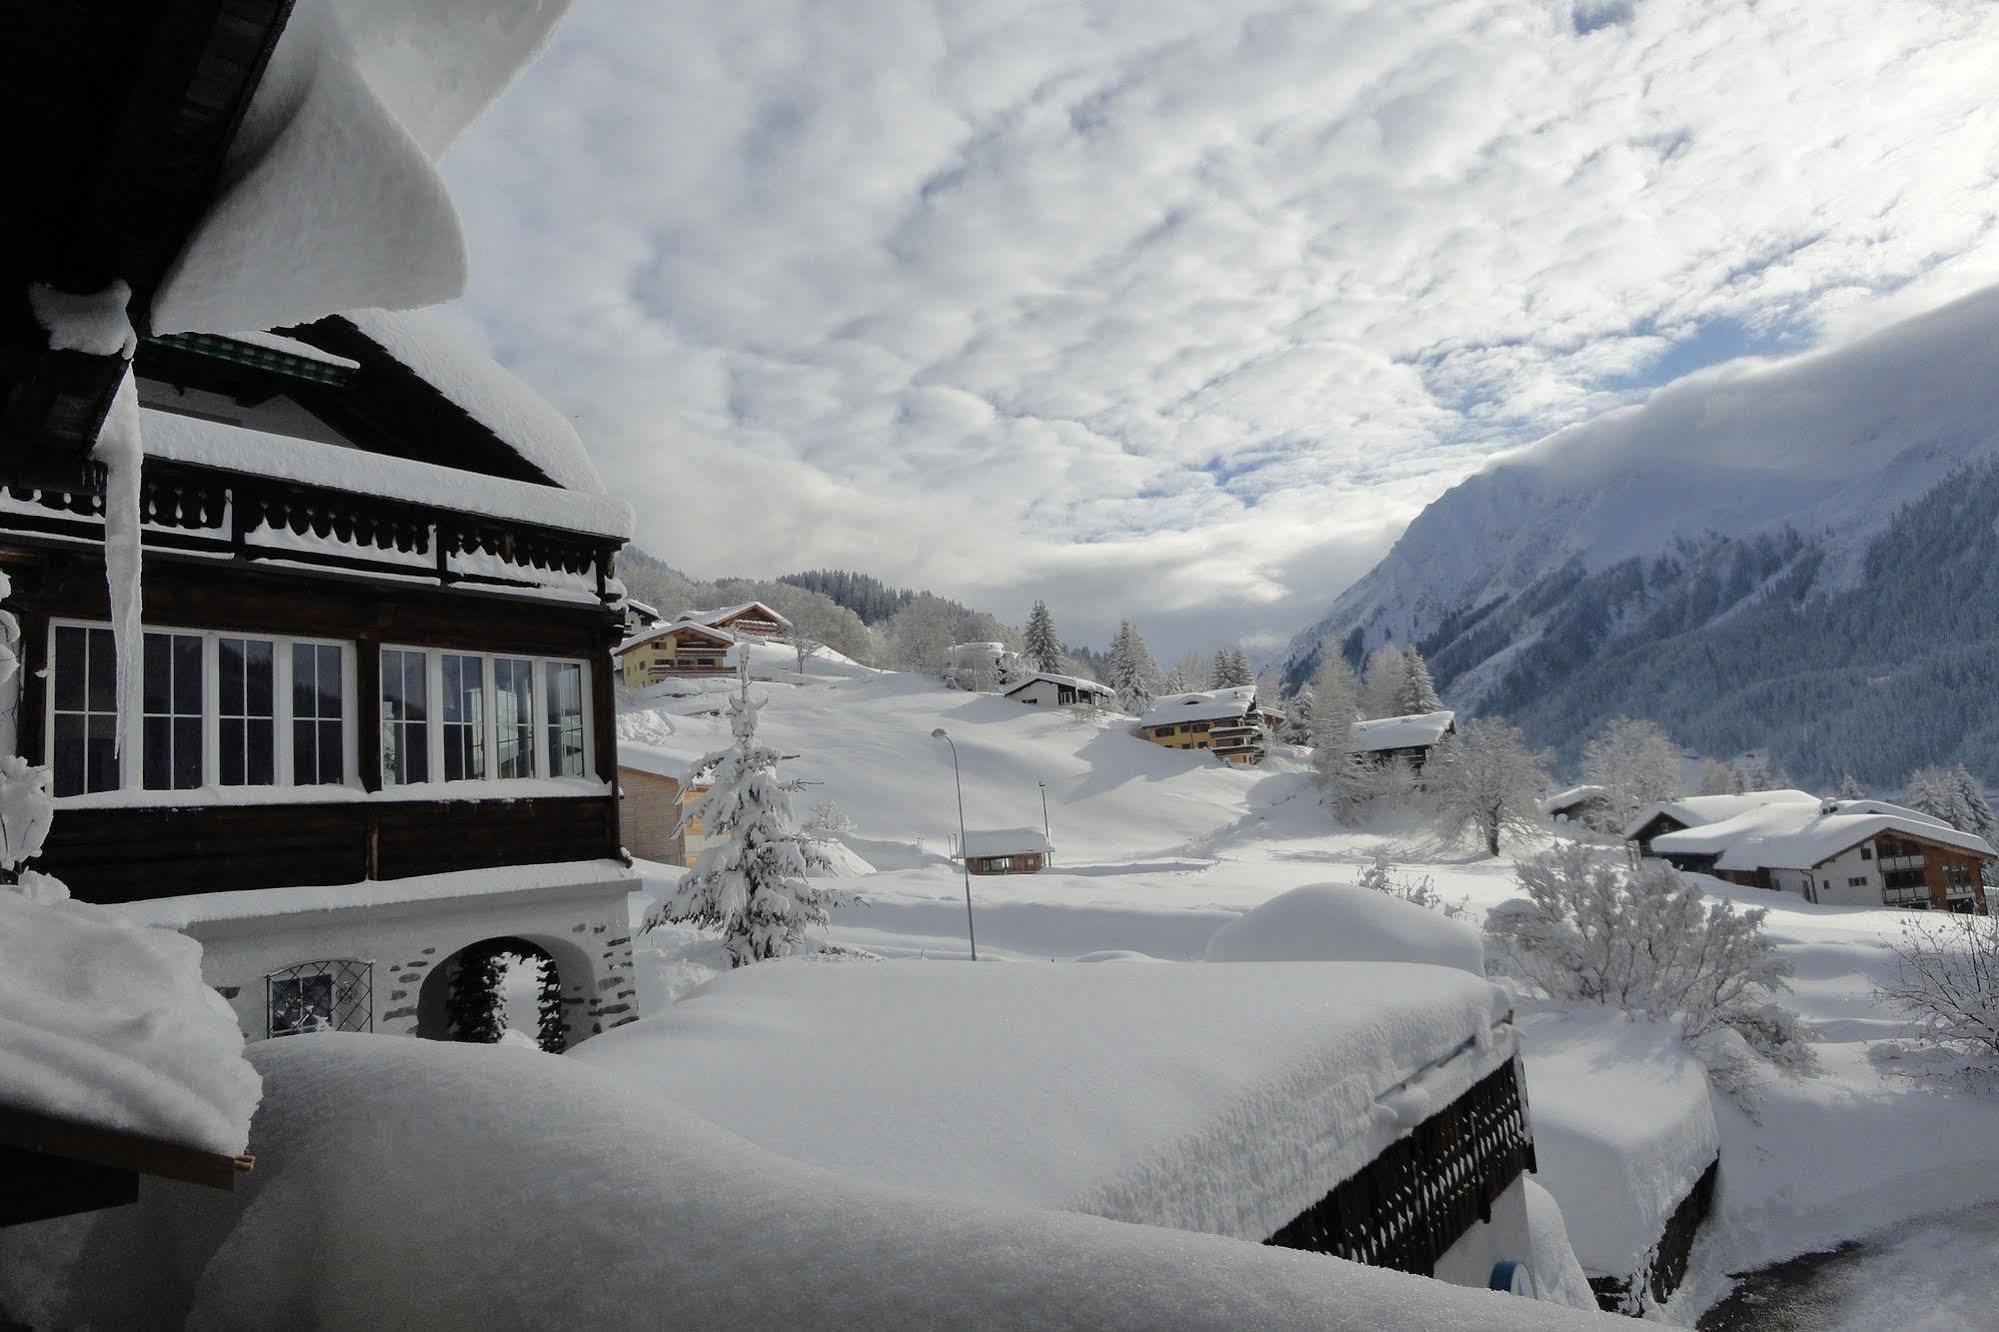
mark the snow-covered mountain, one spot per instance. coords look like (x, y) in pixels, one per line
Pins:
(1730, 496)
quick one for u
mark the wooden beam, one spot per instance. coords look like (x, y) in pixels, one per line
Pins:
(119, 1150)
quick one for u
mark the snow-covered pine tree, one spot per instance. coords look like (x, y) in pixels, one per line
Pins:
(1486, 780)
(751, 878)
(1972, 806)
(474, 998)
(1177, 681)
(1341, 774)
(1119, 673)
(1232, 669)
(1381, 685)
(1932, 790)
(1042, 649)
(1131, 672)
(1718, 779)
(1418, 692)
(1636, 763)
(1297, 729)
(551, 1028)
(1850, 789)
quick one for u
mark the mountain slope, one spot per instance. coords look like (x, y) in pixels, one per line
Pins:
(1539, 586)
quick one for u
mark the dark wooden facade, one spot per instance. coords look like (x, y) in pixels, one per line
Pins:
(123, 854)
(1026, 862)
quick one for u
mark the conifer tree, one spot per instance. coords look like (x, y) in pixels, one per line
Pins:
(1340, 774)
(1381, 685)
(1297, 729)
(1418, 692)
(1130, 671)
(1850, 789)
(1042, 649)
(751, 878)
(1232, 669)
(551, 1028)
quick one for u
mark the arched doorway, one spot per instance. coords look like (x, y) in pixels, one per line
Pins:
(479, 992)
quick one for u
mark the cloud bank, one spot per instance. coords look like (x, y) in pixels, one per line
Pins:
(1180, 309)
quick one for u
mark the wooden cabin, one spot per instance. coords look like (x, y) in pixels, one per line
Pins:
(650, 814)
(682, 649)
(1410, 740)
(752, 619)
(1007, 850)
(373, 719)
(1044, 690)
(1228, 723)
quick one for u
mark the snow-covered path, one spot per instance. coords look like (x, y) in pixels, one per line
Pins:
(1937, 1275)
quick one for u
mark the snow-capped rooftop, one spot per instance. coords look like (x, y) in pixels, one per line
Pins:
(1200, 705)
(1572, 797)
(1072, 681)
(1792, 835)
(1225, 1099)
(109, 1024)
(696, 627)
(1693, 811)
(234, 448)
(1423, 728)
(518, 416)
(727, 612)
(982, 842)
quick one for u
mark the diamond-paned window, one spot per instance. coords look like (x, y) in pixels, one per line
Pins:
(321, 996)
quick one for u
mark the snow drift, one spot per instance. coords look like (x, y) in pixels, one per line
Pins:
(1341, 922)
(451, 1185)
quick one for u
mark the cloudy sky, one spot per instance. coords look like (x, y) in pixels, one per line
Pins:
(1180, 309)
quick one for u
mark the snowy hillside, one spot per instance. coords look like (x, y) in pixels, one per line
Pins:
(1729, 478)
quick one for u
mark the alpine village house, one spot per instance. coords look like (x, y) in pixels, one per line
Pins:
(372, 735)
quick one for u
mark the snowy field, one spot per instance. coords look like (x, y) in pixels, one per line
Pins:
(1155, 850)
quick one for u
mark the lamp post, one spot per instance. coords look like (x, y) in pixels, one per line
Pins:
(1044, 818)
(964, 855)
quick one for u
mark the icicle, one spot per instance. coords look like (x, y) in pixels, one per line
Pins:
(118, 448)
(99, 324)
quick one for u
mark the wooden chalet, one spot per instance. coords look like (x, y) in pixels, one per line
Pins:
(1409, 740)
(378, 588)
(1046, 690)
(683, 648)
(1228, 723)
(1839, 853)
(752, 619)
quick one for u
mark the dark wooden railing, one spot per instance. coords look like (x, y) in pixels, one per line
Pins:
(1415, 1200)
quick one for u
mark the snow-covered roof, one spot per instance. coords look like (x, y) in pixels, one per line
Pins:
(1793, 835)
(695, 627)
(1200, 705)
(106, 1024)
(644, 610)
(519, 417)
(730, 612)
(1072, 681)
(1225, 1099)
(234, 448)
(1417, 729)
(1572, 797)
(293, 347)
(983, 842)
(331, 199)
(1693, 811)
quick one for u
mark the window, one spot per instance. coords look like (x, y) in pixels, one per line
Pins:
(84, 736)
(405, 731)
(216, 710)
(318, 742)
(321, 996)
(1859, 881)
(171, 758)
(1867, 853)
(247, 735)
(464, 716)
(565, 719)
(513, 717)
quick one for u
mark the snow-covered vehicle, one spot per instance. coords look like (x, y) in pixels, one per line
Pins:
(1368, 1110)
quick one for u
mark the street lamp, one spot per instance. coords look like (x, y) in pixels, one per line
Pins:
(1044, 817)
(964, 855)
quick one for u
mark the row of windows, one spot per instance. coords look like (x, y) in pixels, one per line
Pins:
(238, 711)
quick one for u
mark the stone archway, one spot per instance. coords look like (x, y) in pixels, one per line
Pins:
(461, 1000)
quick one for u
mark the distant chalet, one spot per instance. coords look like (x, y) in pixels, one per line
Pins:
(683, 648)
(1229, 723)
(1409, 739)
(1007, 850)
(1045, 690)
(1834, 852)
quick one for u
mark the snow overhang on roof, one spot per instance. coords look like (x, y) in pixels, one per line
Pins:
(1693, 811)
(983, 842)
(1411, 732)
(1791, 835)
(1073, 682)
(1201, 705)
(731, 612)
(1572, 797)
(674, 630)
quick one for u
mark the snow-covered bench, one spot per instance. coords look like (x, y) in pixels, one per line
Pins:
(1369, 1110)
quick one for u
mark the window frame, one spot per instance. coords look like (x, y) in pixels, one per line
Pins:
(131, 756)
(433, 675)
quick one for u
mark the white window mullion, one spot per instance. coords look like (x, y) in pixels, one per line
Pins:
(211, 711)
(281, 712)
(490, 719)
(131, 763)
(350, 714)
(589, 731)
(537, 725)
(433, 711)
